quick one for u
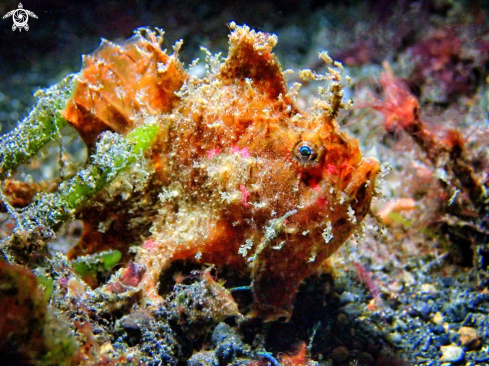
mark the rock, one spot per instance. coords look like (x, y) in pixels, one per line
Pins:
(437, 318)
(132, 325)
(362, 358)
(456, 310)
(205, 358)
(482, 357)
(428, 288)
(436, 329)
(423, 309)
(394, 338)
(408, 279)
(469, 338)
(441, 340)
(397, 287)
(347, 297)
(400, 325)
(198, 307)
(452, 354)
(340, 353)
(228, 344)
(447, 281)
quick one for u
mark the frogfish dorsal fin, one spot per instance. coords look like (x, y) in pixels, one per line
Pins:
(250, 57)
(120, 82)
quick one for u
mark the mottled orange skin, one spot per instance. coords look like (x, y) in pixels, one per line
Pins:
(233, 191)
(106, 96)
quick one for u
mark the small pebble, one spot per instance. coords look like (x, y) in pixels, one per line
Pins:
(452, 354)
(447, 281)
(400, 325)
(436, 329)
(426, 344)
(347, 297)
(394, 338)
(340, 353)
(437, 318)
(469, 338)
(482, 357)
(106, 348)
(456, 310)
(423, 309)
(442, 340)
(396, 287)
(408, 279)
(428, 288)
(343, 319)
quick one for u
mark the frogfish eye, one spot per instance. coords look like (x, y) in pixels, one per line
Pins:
(306, 152)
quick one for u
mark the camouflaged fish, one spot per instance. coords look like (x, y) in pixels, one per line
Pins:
(239, 176)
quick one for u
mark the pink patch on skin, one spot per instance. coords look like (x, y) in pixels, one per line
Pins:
(116, 288)
(322, 202)
(133, 274)
(213, 152)
(244, 152)
(331, 169)
(63, 281)
(245, 194)
(150, 245)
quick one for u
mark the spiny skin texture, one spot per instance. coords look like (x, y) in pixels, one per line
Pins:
(118, 93)
(244, 179)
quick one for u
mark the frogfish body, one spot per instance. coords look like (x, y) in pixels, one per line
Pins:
(240, 177)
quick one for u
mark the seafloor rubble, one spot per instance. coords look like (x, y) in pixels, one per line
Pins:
(185, 229)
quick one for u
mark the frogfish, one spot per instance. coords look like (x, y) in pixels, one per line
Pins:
(239, 176)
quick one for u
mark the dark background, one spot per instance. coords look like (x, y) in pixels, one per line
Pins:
(65, 30)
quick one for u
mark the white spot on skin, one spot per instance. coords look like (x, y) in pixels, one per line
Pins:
(276, 225)
(351, 215)
(313, 257)
(279, 245)
(161, 67)
(243, 249)
(328, 232)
